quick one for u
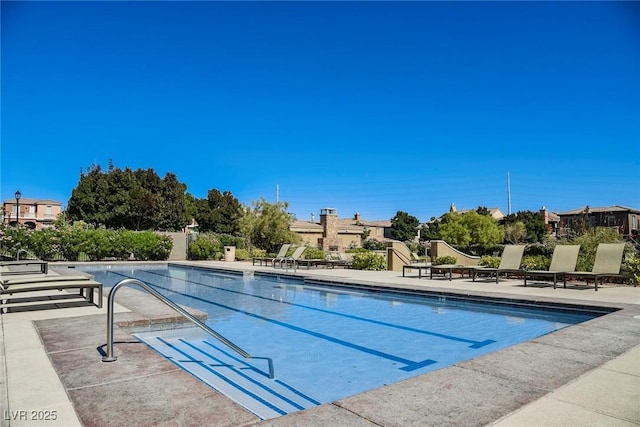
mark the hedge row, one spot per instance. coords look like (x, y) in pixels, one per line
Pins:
(79, 243)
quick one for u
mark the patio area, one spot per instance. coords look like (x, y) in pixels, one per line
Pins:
(587, 374)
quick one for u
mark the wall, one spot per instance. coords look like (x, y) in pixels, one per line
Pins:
(179, 251)
(441, 248)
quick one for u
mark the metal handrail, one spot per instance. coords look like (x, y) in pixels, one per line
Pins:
(21, 250)
(110, 356)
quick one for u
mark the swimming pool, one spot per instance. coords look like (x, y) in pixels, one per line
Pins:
(327, 342)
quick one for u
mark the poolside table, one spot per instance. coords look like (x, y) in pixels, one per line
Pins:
(449, 269)
(418, 267)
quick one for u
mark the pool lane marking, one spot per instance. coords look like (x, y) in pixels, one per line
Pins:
(473, 343)
(225, 379)
(410, 365)
(282, 383)
(242, 374)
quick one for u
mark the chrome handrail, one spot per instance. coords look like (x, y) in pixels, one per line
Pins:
(21, 250)
(110, 356)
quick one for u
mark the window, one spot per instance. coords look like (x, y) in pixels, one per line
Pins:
(634, 222)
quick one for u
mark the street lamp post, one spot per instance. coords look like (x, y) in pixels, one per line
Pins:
(18, 195)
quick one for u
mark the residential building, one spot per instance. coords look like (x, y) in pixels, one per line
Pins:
(337, 234)
(378, 230)
(621, 218)
(551, 220)
(33, 213)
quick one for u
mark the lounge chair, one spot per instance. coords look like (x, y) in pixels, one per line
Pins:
(563, 261)
(343, 259)
(607, 264)
(281, 254)
(85, 285)
(290, 261)
(23, 266)
(509, 263)
(448, 269)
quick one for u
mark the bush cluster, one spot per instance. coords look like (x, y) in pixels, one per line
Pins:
(490, 261)
(369, 261)
(632, 269)
(447, 259)
(535, 262)
(313, 253)
(210, 246)
(81, 242)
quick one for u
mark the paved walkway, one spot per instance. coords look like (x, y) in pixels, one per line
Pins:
(588, 374)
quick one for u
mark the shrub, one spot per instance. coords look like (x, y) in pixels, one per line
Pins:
(72, 242)
(206, 246)
(369, 261)
(535, 262)
(229, 240)
(151, 246)
(374, 245)
(97, 244)
(12, 239)
(632, 269)
(440, 260)
(242, 254)
(589, 243)
(123, 244)
(257, 253)
(314, 253)
(490, 261)
(45, 244)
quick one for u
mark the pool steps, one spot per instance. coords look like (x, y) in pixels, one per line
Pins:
(244, 381)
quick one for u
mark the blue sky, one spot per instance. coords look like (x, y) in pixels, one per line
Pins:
(369, 107)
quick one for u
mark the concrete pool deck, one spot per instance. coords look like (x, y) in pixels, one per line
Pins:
(587, 374)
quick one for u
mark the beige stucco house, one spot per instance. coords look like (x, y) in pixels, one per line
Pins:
(337, 234)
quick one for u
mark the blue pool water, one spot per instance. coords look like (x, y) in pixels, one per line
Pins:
(329, 342)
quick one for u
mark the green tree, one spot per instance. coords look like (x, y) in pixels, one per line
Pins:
(266, 225)
(515, 232)
(404, 226)
(470, 228)
(533, 222)
(219, 213)
(123, 198)
(429, 231)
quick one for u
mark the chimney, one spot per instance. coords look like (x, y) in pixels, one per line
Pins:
(329, 222)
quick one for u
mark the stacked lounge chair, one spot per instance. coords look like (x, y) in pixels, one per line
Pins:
(30, 282)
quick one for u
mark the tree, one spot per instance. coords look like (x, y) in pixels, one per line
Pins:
(404, 226)
(429, 231)
(515, 232)
(470, 228)
(533, 222)
(123, 198)
(266, 225)
(219, 213)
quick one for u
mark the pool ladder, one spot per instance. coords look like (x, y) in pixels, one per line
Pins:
(110, 356)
